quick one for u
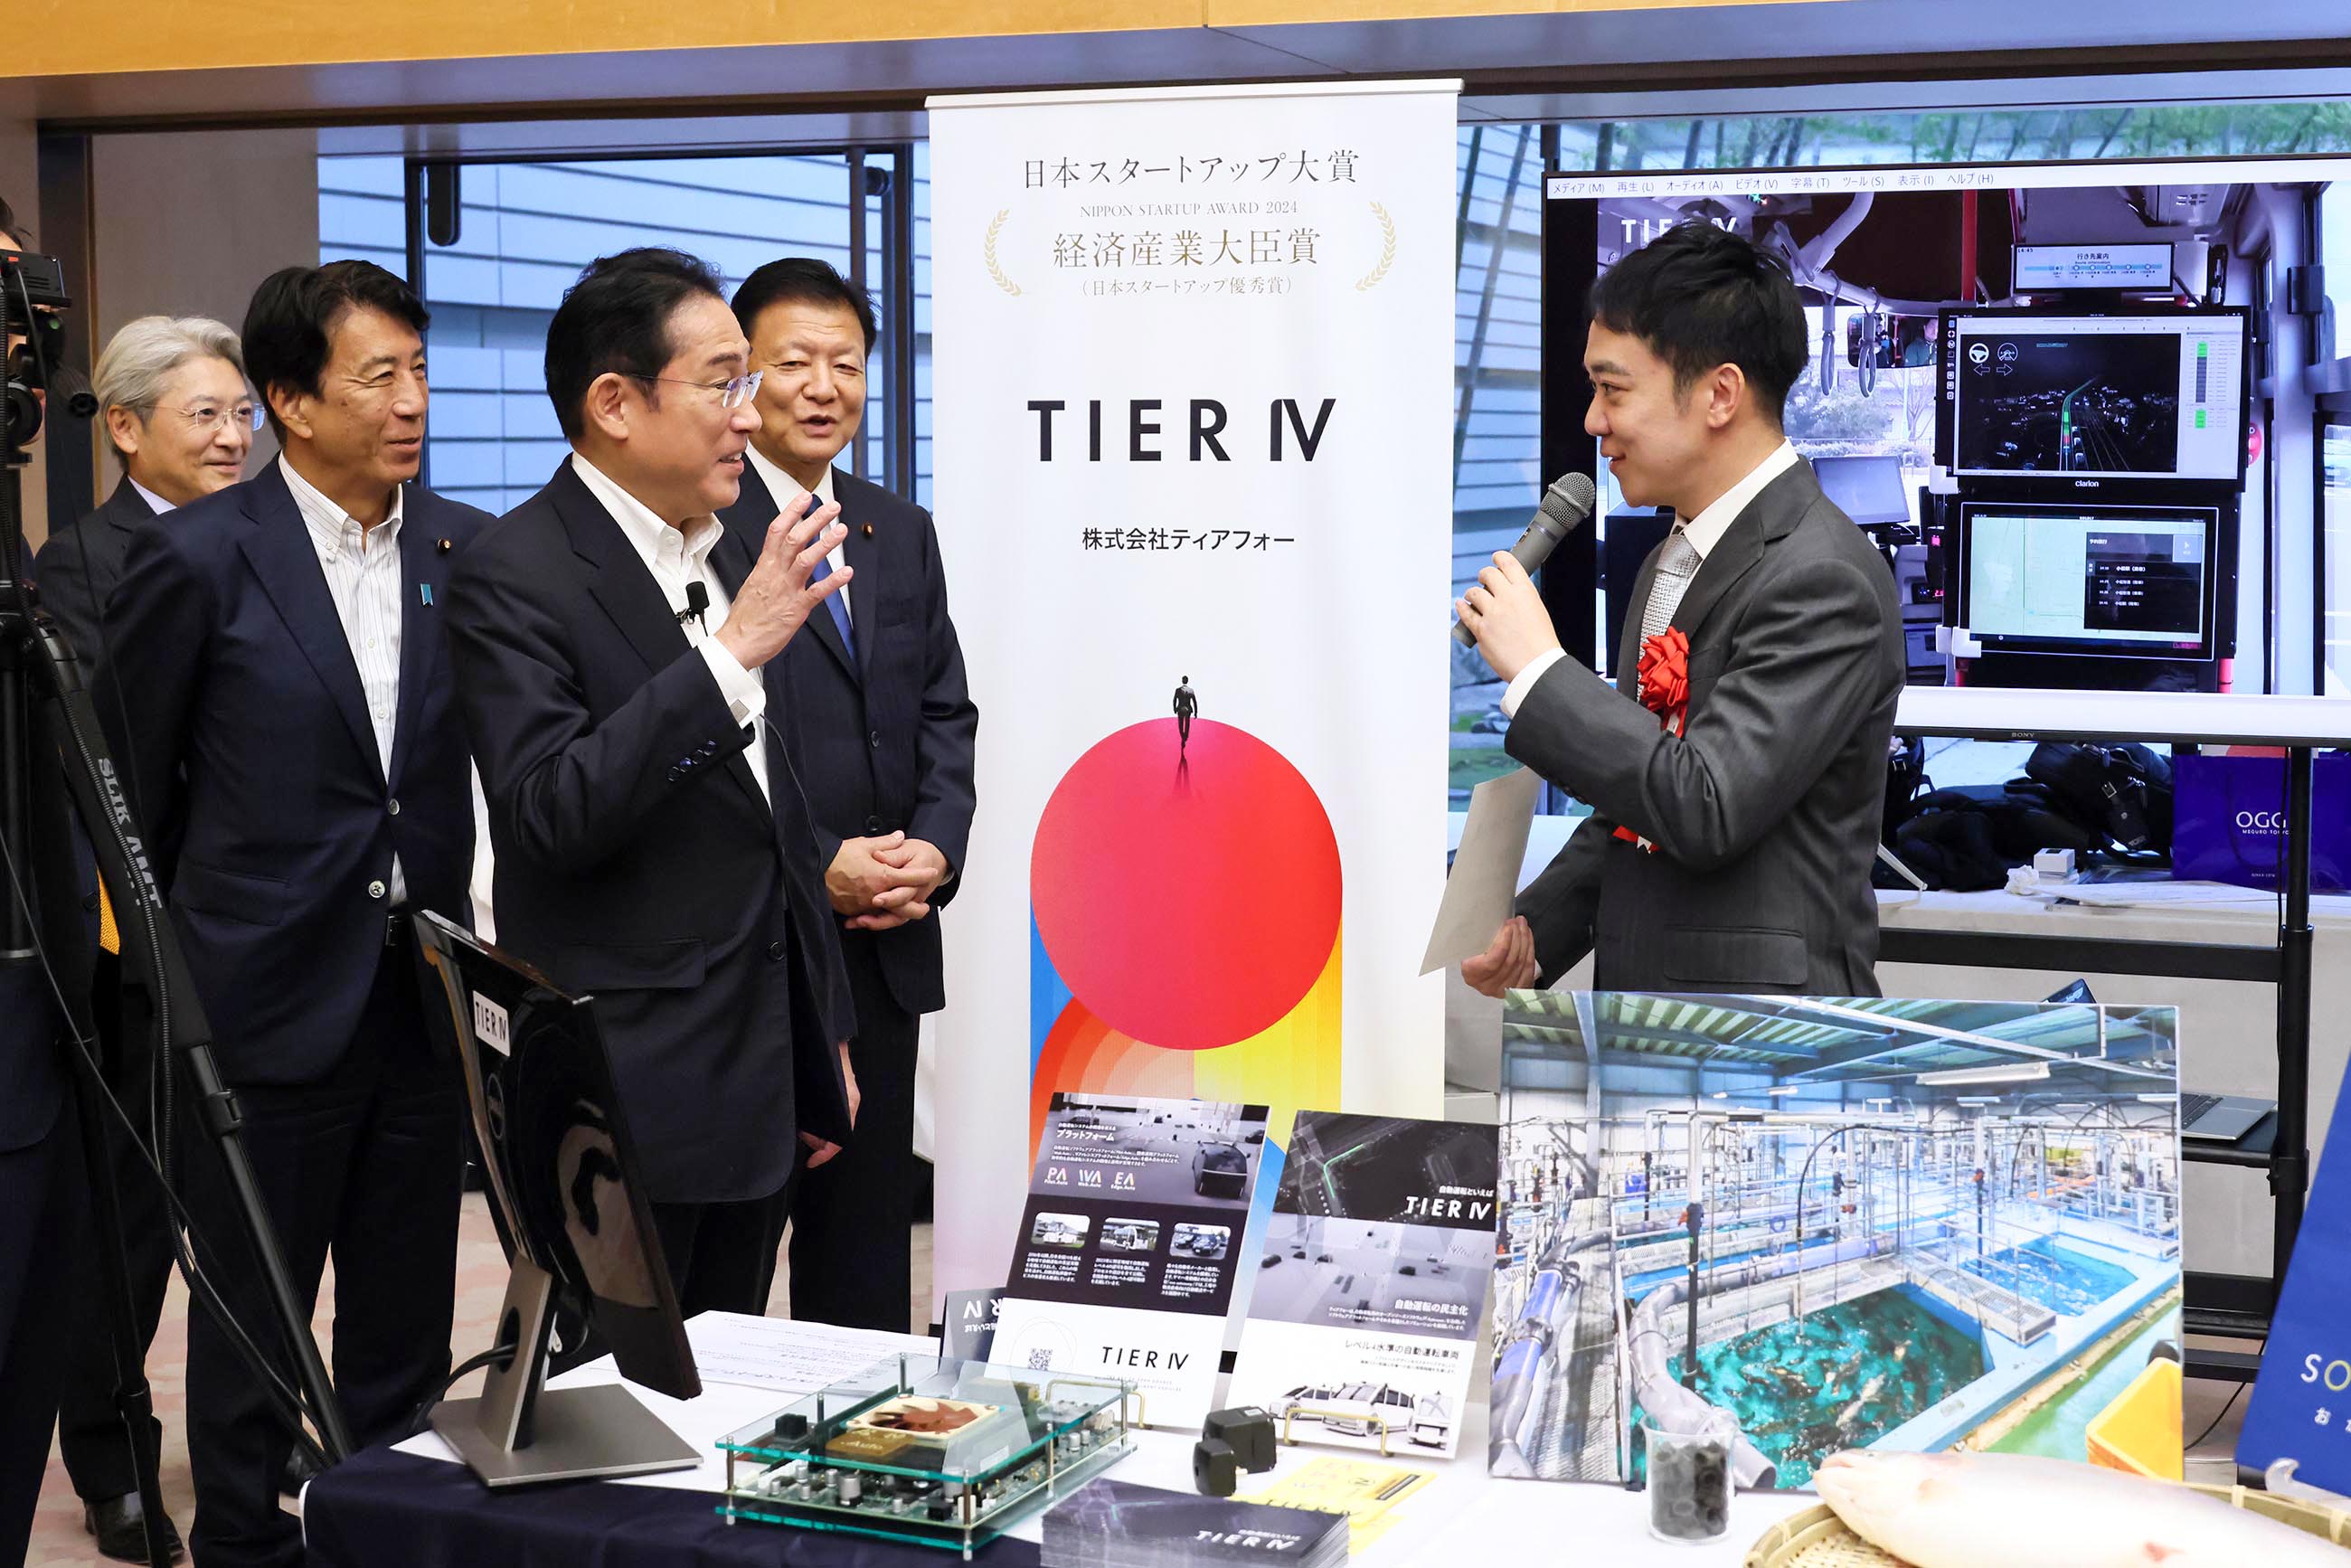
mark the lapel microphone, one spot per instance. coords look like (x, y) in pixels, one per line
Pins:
(697, 600)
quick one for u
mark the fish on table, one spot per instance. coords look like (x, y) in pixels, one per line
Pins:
(2013, 1511)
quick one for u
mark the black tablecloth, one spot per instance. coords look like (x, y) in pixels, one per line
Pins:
(382, 1509)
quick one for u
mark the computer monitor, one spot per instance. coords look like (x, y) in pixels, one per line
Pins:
(2046, 268)
(564, 1174)
(1869, 490)
(2118, 582)
(2156, 395)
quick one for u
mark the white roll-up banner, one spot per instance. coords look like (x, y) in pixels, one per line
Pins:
(1192, 394)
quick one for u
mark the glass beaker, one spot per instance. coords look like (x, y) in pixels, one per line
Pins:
(1689, 1476)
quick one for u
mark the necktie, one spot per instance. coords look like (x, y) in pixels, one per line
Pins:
(1677, 564)
(840, 610)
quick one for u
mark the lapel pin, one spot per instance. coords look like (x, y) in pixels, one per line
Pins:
(868, 530)
(424, 593)
(443, 546)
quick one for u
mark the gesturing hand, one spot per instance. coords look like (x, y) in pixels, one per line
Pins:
(776, 600)
(1507, 966)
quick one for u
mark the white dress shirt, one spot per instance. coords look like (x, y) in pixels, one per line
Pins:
(155, 503)
(1703, 532)
(364, 578)
(677, 557)
(783, 489)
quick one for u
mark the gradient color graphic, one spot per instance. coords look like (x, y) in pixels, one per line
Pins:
(1185, 926)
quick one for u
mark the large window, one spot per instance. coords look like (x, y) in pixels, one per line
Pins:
(525, 231)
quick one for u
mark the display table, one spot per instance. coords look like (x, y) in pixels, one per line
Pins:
(387, 1508)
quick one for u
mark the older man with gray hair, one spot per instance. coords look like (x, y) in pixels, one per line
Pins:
(181, 420)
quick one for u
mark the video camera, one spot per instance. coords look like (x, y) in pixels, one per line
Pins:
(32, 294)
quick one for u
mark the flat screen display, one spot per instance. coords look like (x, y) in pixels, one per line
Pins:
(2123, 581)
(2096, 397)
(2042, 267)
(1866, 489)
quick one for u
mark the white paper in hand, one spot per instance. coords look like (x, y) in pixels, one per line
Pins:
(1485, 876)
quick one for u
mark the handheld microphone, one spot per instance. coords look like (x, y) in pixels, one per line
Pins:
(1565, 506)
(697, 600)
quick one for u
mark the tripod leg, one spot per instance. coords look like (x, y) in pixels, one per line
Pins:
(134, 1400)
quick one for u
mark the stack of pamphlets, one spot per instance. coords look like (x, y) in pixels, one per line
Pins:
(1111, 1524)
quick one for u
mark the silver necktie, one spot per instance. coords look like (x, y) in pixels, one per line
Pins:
(1678, 562)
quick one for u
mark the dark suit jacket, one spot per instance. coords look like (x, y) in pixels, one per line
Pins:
(636, 858)
(1767, 811)
(235, 709)
(884, 743)
(76, 569)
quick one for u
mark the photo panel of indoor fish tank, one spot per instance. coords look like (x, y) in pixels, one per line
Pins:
(1847, 1223)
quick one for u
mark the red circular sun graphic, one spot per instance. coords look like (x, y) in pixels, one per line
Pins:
(1188, 908)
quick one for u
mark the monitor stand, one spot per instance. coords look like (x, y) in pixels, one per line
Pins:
(519, 1432)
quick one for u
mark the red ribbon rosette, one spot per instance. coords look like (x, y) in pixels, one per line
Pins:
(1665, 677)
(1665, 691)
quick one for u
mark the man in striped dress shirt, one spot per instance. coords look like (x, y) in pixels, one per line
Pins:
(282, 706)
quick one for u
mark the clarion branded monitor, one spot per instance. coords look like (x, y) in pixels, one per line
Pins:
(2094, 397)
(2120, 581)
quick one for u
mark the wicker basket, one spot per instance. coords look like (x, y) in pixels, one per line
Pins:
(1816, 1538)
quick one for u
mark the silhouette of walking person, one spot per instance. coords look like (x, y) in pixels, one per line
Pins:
(1187, 705)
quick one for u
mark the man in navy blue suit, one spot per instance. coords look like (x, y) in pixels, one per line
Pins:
(882, 731)
(616, 655)
(283, 708)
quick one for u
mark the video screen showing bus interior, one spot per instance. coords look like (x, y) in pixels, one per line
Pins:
(2114, 397)
(2116, 580)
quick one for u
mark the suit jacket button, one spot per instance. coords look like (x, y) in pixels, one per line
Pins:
(375, 890)
(872, 824)
(393, 807)
(874, 739)
(776, 951)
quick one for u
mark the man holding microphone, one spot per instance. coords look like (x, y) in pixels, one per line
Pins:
(1737, 770)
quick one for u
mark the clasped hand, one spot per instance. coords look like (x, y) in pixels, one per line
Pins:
(881, 882)
(777, 599)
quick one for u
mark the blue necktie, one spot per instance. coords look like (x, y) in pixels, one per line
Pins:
(840, 610)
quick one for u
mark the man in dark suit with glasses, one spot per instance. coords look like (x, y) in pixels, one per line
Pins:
(616, 654)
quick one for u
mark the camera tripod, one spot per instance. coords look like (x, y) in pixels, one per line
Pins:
(54, 768)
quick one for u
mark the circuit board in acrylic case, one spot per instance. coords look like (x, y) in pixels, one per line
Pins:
(943, 1452)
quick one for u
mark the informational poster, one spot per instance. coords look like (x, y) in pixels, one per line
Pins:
(1877, 1222)
(968, 1323)
(1370, 1299)
(1192, 371)
(2301, 1408)
(1130, 1245)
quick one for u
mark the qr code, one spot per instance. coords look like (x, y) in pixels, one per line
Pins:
(1040, 1359)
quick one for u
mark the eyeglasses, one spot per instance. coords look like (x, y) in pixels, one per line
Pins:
(210, 416)
(731, 393)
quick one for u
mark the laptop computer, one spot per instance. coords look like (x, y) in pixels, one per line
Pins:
(2220, 1118)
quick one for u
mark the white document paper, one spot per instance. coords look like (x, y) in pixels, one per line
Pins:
(1485, 876)
(2154, 894)
(787, 1355)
